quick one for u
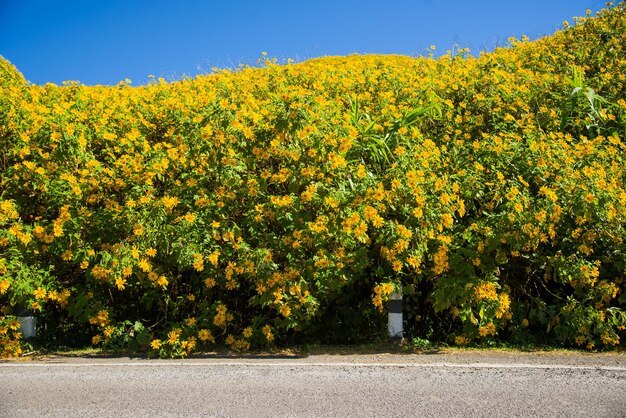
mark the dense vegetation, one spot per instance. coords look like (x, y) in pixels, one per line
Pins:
(285, 203)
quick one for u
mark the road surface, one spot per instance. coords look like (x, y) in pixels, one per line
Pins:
(446, 385)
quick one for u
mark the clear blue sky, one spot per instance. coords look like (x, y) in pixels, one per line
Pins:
(105, 41)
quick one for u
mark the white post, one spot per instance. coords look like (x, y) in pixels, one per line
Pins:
(395, 316)
(28, 322)
(28, 326)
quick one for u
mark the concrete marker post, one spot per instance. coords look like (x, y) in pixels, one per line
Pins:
(28, 323)
(395, 316)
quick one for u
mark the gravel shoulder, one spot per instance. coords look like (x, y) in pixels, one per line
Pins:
(346, 356)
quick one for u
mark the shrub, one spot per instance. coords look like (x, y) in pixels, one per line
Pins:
(237, 208)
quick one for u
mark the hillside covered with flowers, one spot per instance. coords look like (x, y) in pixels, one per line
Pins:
(285, 203)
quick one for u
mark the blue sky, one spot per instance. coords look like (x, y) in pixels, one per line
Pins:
(105, 41)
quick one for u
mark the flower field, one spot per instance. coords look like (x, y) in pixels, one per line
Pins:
(261, 206)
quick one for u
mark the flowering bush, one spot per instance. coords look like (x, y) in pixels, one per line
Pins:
(10, 337)
(236, 208)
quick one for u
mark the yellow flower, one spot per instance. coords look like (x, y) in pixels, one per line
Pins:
(247, 332)
(285, 310)
(137, 229)
(155, 344)
(461, 340)
(370, 212)
(108, 331)
(170, 202)
(205, 335)
(173, 336)
(25, 238)
(190, 344)
(219, 320)
(198, 262)
(120, 283)
(144, 265)
(162, 281)
(40, 293)
(57, 230)
(101, 319)
(4, 285)
(503, 306)
(281, 201)
(213, 257)
(404, 231)
(378, 222)
(447, 220)
(489, 329)
(441, 260)
(267, 332)
(486, 290)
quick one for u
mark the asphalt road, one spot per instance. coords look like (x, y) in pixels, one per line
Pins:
(446, 385)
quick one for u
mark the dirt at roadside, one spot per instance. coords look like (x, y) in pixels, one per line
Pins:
(348, 356)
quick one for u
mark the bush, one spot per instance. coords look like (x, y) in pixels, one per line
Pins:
(247, 208)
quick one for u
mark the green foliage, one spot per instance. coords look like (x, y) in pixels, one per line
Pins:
(280, 204)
